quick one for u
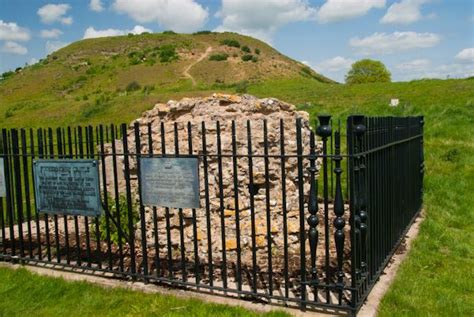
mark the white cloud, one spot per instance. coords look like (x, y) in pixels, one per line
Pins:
(177, 15)
(262, 18)
(96, 5)
(443, 71)
(414, 65)
(32, 61)
(50, 34)
(93, 33)
(335, 64)
(336, 10)
(10, 31)
(51, 13)
(466, 55)
(388, 43)
(52, 46)
(404, 12)
(13, 48)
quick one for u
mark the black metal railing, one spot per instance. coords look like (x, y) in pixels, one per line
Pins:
(278, 221)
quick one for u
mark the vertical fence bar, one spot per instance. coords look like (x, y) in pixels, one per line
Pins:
(138, 156)
(18, 189)
(195, 234)
(92, 147)
(106, 197)
(45, 216)
(208, 209)
(253, 190)
(155, 215)
(180, 213)
(236, 207)
(299, 152)
(131, 225)
(221, 204)
(55, 216)
(167, 210)
(324, 131)
(37, 219)
(118, 205)
(61, 155)
(26, 183)
(284, 207)
(267, 208)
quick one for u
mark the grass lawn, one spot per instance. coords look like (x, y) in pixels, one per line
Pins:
(26, 294)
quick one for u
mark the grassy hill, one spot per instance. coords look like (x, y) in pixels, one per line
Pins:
(437, 278)
(95, 79)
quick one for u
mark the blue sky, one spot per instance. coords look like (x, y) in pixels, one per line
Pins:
(414, 38)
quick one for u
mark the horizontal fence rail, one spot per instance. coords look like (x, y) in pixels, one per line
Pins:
(286, 214)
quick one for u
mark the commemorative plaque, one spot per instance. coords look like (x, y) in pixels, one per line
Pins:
(3, 188)
(67, 187)
(170, 182)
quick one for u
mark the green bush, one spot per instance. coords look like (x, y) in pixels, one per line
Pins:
(254, 59)
(169, 32)
(368, 71)
(133, 86)
(241, 87)
(247, 57)
(231, 43)
(168, 53)
(5, 75)
(245, 49)
(219, 57)
(123, 214)
(257, 51)
(202, 32)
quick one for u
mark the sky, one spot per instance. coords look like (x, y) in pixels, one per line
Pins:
(413, 38)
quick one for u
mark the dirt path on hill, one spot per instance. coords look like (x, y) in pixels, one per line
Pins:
(203, 56)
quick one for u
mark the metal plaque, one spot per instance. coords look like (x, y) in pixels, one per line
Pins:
(170, 182)
(67, 187)
(3, 188)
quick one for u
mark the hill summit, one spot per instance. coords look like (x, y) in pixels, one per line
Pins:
(98, 77)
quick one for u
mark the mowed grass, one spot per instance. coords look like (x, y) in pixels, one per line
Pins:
(26, 294)
(437, 279)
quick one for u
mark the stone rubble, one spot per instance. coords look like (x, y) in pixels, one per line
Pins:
(224, 109)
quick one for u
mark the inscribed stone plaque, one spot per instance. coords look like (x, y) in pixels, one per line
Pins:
(67, 187)
(3, 189)
(170, 182)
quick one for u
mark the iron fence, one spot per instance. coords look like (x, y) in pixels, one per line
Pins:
(297, 223)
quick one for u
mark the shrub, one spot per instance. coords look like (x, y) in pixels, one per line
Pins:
(231, 43)
(219, 57)
(241, 87)
(247, 57)
(246, 49)
(9, 113)
(133, 86)
(168, 53)
(202, 32)
(169, 32)
(257, 51)
(5, 75)
(254, 59)
(123, 214)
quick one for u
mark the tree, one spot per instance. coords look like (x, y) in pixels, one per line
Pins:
(368, 71)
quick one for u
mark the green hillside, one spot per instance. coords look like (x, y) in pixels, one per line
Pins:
(96, 79)
(436, 279)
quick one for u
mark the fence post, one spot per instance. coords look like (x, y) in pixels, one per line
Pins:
(339, 221)
(324, 131)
